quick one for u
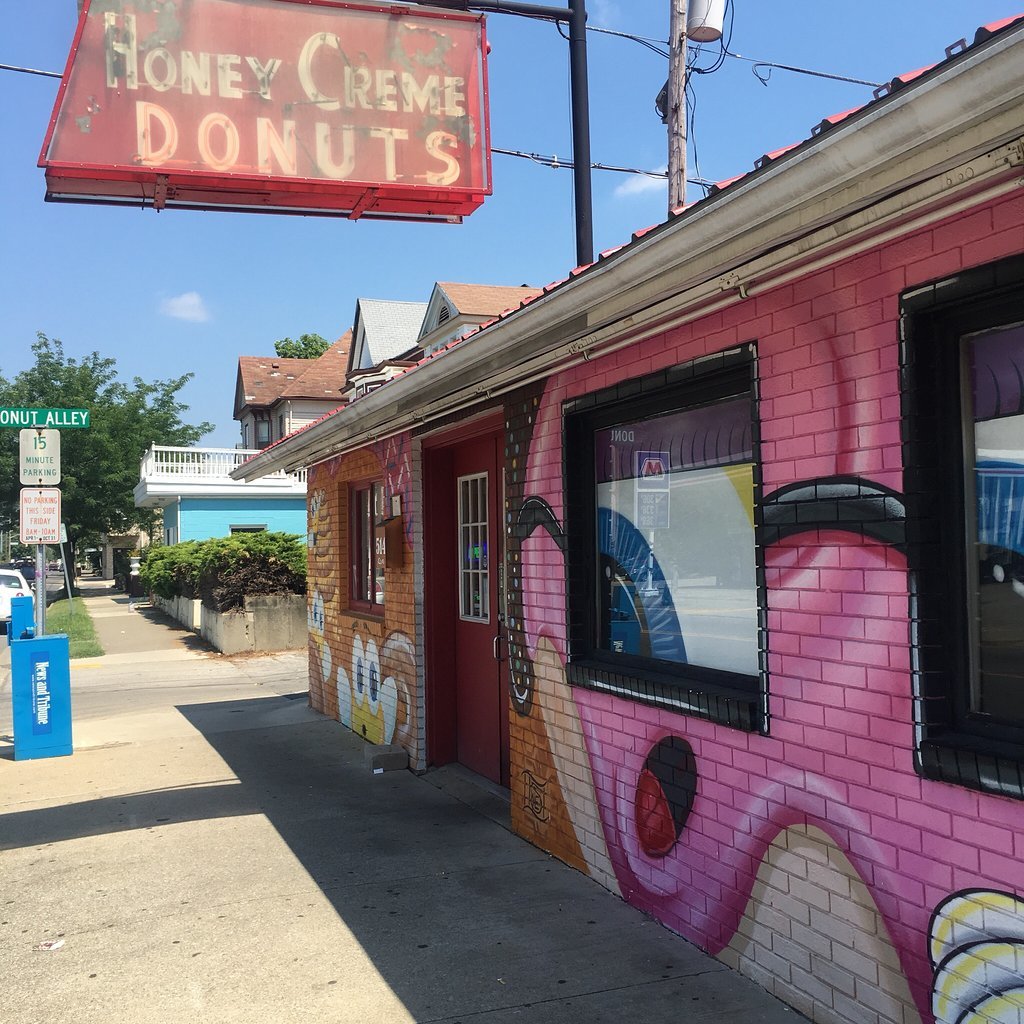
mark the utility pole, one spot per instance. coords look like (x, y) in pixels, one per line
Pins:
(675, 106)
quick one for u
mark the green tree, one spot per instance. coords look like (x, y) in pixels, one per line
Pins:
(99, 465)
(309, 346)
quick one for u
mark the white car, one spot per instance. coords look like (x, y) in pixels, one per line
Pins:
(12, 584)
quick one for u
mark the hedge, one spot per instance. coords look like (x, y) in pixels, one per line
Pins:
(224, 571)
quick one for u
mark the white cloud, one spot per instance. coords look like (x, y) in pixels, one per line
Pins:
(640, 185)
(603, 13)
(187, 306)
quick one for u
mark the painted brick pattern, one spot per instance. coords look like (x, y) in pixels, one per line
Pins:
(840, 927)
(363, 666)
(813, 858)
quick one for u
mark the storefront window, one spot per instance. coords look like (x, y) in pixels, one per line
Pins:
(368, 545)
(963, 376)
(664, 584)
(675, 568)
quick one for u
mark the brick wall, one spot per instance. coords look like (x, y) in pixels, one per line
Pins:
(363, 667)
(814, 857)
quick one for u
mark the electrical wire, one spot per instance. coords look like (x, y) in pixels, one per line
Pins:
(657, 45)
(558, 164)
(800, 71)
(30, 71)
(691, 130)
(660, 47)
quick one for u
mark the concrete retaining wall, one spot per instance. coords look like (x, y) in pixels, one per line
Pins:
(275, 622)
(185, 610)
(269, 623)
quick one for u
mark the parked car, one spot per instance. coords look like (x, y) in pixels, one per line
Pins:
(12, 584)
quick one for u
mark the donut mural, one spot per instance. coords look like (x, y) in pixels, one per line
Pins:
(362, 666)
(374, 693)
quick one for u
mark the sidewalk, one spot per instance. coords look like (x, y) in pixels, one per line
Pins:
(126, 626)
(236, 860)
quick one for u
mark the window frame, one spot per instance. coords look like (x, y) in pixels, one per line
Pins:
(260, 440)
(731, 698)
(359, 600)
(953, 742)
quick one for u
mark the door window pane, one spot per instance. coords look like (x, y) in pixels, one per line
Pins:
(473, 573)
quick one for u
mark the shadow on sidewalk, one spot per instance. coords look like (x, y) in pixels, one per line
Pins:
(459, 916)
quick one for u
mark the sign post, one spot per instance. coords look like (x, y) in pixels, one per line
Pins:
(40, 664)
(39, 465)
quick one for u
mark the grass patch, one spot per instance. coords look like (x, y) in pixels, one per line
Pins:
(81, 633)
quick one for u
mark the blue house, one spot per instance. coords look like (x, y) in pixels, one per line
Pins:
(199, 499)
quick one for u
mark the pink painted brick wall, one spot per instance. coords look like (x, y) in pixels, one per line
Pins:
(838, 760)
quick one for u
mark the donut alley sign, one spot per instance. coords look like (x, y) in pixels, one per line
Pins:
(273, 105)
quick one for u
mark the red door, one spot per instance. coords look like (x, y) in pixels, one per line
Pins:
(481, 696)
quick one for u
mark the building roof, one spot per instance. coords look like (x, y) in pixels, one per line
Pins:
(324, 377)
(778, 183)
(263, 379)
(485, 299)
(384, 329)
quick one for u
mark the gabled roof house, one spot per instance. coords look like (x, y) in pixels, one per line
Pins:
(275, 396)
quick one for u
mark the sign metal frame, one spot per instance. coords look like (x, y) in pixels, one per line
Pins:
(75, 173)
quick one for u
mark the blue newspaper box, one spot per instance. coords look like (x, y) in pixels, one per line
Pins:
(41, 691)
(23, 622)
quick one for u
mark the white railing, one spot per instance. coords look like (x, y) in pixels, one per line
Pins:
(163, 462)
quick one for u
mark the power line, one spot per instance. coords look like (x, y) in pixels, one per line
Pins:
(556, 163)
(656, 45)
(660, 47)
(549, 161)
(799, 71)
(30, 71)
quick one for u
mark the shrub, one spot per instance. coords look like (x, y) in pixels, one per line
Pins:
(224, 571)
(167, 570)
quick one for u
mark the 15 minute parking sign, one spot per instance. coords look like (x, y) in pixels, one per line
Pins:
(40, 457)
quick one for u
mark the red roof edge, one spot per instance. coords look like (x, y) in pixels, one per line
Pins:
(830, 122)
(986, 31)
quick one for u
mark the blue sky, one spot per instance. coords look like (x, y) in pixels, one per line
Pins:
(165, 293)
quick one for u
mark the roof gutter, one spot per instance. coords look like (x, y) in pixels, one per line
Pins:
(885, 165)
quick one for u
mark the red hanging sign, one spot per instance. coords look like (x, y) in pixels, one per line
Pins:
(303, 106)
